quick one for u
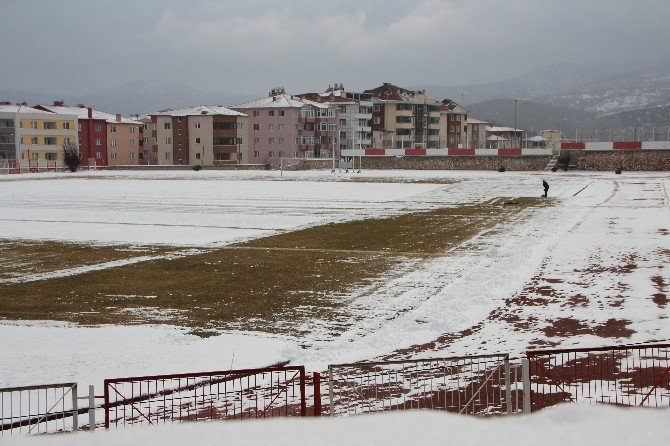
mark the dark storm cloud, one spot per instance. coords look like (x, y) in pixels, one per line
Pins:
(70, 46)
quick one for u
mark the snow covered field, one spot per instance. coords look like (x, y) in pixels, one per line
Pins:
(567, 424)
(590, 270)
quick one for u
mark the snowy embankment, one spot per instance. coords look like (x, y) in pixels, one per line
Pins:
(560, 426)
(582, 246)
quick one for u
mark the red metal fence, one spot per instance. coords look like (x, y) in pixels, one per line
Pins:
(476, 385)
(628, 375)
(233, 394)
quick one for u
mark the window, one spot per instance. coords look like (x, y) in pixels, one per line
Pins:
(33, 140)
(132, 143)
(376, 120)
(280, 141)
(178, 131)
(271, 140)
(197, 140)
(342, 108)
(113, 143)
(50, 141)
(434, 120)
(197, 155)
(296, 112)
(66, 126)
(403, 107)
(256, 113)
(66, 140)
(98, 128)
(271, 154)
(378, 108)
(257, 126)
(197, 124)
(433, 132)
(271, 113)
(167, 126)
(112, 155)
(33, 124)
(168, 140)
(132, 155)
(179, 119)
(271, 126)
(280, 127)
(403, 132)
(343, 122)
(257, 140)
(112, 129)
(79, 127)
(48, 125)
(179, 146)
(168, 155)
(21, 140)
(132, 129)
(35, 156)
(257, 153)
(403, 119)
(98, 155)
(281, 154)
(80, 141)
(281, 113)
(295, 154)
(50, 156)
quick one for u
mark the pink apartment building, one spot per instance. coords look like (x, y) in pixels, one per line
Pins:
(285, 126)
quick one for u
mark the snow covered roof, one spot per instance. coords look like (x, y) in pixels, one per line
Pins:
(21, 109)
(201, 110)
(477, 121)
(82, 113)
(281, 101)
(537, 139)
(496, 138)
(502, 129)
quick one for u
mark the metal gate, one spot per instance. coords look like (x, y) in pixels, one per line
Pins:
(40, 409)
(628, 375)
(475, 385)
(231, 394)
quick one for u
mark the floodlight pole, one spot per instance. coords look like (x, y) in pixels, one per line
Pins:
(515, 131)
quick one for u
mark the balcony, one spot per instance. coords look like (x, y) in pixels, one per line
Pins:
(7, 130)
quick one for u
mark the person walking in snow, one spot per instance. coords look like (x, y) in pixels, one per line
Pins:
(546, 187)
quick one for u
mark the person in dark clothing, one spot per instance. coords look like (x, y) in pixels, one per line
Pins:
(546, 187)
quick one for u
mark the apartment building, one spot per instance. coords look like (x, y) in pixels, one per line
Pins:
(477, 133)
(501, 137)
(455, 125)
(407, 119)
(91, 131)
(124, 139)
(286, 126)
(205, 135)
(354, 115)
(34, 136)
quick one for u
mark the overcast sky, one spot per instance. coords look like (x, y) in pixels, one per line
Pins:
(248, 46)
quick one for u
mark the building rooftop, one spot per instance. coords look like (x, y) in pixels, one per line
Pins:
(82, 113)
(499, 129)
(281, 101)
(198, 110)
(477, 121)
(21, 109)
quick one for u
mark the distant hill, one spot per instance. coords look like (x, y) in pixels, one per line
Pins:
(543, 81)
(135, 97)
(533, 116)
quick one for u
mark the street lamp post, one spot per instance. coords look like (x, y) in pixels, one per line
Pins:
(515, 101)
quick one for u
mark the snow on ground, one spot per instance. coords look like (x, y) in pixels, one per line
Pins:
(600, 254)
(566, 424)
(58, 352)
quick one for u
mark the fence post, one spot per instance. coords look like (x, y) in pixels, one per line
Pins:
(303, 402)
(525, 377)
(331, 402)
(106, 391)
(508, 387)
(317, 394)
(91, 408)
(75, 409)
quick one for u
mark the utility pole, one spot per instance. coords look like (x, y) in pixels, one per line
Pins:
(515, 101)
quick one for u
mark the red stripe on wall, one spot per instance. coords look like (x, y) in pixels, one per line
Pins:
(509, 152)
(622, 145)
(373, 152)
(573, 146)
(461, 152)
(415, 151)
